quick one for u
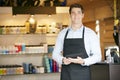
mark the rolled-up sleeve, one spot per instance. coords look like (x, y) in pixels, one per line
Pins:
(57, 52)
(93, 49)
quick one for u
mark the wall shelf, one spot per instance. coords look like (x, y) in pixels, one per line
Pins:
(41, 76)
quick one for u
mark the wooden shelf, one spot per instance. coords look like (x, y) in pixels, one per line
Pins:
(52, 73)
(24, 54)
(41, 76)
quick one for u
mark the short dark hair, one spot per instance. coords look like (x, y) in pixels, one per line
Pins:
(76, 5)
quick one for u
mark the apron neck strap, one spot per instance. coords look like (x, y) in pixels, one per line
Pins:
(82, 33)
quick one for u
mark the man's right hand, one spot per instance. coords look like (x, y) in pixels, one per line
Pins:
(66, 61)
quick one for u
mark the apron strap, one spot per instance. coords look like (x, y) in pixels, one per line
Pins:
(83, 33)
(66, 34)
(68, 30)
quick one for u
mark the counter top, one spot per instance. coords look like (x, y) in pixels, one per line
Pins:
(105, 63)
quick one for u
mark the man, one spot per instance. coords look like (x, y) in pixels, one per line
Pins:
(77, 47)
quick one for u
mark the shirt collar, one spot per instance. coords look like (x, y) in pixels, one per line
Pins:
(80, 29)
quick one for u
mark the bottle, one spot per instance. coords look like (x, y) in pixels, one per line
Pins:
(27, 24)
(109, 58)
(33, 24)
(30, 68)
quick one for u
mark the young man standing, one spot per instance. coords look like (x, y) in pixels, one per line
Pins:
(77, 47)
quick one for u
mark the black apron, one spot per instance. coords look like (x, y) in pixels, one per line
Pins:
(74, 47)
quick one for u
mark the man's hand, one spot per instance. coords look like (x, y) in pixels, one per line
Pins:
(66, 61)
(77, 60)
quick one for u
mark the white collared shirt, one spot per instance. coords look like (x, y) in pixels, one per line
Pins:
(92, 44)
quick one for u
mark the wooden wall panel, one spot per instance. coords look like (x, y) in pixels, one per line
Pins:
(106, 33)
(103, 12)
(90, 25)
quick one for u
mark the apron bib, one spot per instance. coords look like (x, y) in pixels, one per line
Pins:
(73, 48)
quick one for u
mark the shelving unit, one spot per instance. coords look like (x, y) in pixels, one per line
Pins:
(28, 58)
(34, 58)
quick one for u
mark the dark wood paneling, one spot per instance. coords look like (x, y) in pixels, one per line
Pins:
(34, 10)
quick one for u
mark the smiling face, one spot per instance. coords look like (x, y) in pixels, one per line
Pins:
(76, 15)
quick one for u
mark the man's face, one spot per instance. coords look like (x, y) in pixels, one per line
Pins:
(76, 15)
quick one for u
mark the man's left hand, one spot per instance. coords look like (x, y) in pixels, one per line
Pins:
(77, 60)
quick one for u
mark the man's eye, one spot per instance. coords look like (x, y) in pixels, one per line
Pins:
(79, 12)
(72, 12)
